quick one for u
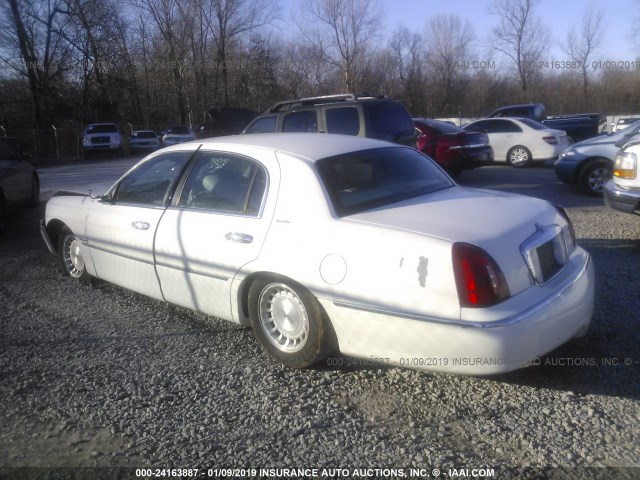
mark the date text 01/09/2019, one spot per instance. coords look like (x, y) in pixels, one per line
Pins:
(579, 65)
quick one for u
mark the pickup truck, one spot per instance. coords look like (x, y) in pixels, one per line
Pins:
(579, 126)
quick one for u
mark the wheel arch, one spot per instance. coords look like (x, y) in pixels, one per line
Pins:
(585, 163)
(54, 227)
(245, 286)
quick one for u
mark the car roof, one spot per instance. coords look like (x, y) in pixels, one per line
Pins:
(311, 146)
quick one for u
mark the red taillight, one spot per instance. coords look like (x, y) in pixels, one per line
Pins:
(569, 232)
(479, 280)
(551, 140)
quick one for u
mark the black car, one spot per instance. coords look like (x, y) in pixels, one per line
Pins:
(19, 182)
(349, 114)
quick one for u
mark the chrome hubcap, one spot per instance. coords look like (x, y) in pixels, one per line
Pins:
(73, 261)
(519, 157)
(283, 317)
(598, 178)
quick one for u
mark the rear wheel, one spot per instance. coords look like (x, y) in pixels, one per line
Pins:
(72, 262)
(288, 322)
(519, 156)
(594, 176)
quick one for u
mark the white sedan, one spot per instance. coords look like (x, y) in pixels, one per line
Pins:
(520, 141)
(328, 243)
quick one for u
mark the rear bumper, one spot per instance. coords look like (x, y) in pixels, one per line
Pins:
(101, 147)
(621, 199)
(468, 158)
(522, 332)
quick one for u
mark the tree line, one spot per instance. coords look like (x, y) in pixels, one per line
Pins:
(152, 63)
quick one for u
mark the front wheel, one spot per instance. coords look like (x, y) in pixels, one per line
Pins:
(594, 176)
(288, 322)
(519, 157)
(72, 262)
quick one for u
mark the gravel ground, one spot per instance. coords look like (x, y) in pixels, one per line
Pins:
(102, 377)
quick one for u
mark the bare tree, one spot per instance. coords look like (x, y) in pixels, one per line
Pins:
(582, 45)
(449, 42)
(231, 19)
(521, 37)
(406, 48)
(36, 52)
(168, 19)
(342, 33)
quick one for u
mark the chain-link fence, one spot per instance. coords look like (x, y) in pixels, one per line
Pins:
(49, 145)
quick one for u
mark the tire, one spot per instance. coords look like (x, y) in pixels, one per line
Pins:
(519, 157)
(593, 177)
(71, 261)
(34, 198)
(288, 322)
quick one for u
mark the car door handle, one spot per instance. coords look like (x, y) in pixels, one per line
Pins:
(238, 237)
(139, 225)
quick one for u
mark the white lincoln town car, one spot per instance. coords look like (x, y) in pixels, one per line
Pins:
(330, 243)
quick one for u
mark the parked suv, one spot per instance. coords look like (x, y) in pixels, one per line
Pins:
(623, 191)
(348, 114)
(102, 137)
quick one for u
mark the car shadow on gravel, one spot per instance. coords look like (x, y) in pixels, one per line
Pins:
(607, 360)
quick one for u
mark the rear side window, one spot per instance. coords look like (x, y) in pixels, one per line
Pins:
(343, 120)
(306, 121)
(263, 125)
(506, 126)
(388, 121)
(225, 182)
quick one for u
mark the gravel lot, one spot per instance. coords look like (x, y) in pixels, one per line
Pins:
(102, 377)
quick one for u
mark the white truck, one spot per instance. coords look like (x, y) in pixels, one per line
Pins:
(622, 192)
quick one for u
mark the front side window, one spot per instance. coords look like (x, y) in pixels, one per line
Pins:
(343, 120)
(369, 179)
(263, 125)
(152, 182)
(225, 182)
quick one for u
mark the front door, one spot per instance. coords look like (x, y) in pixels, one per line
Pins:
(122, 226)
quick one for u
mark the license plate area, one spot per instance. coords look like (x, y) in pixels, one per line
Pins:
(545, 253)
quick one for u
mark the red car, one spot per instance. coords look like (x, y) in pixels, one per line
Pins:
(453, 148)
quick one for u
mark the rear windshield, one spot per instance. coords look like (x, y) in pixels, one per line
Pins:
(389, 121)
(533, 124)
(439, 126)
(369, 179)
(102, 129)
